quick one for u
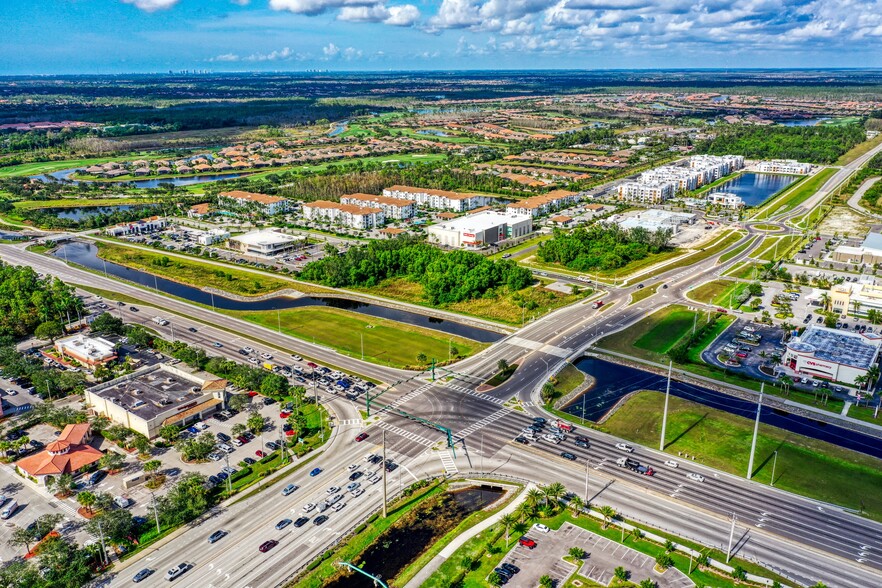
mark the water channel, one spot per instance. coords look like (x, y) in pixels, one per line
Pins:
(755, 188)
(80, 212)
(614, 381)
(65, 174)
(86, 254)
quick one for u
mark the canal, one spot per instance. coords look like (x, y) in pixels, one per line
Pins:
(86, 255)
(614, 382)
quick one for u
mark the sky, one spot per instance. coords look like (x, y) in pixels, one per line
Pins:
(125, 36)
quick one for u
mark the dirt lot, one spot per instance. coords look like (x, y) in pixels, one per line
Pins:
(844, 220)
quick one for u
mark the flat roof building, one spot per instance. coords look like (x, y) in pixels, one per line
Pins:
(654, 220)
(784, 166)
(89, 351)
(266, 242)
(139, 227)
(725, 199)
(481, 229)
(868, 253)
(833, 354)
(157, 395)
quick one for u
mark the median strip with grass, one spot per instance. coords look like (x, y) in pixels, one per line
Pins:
(737, 251)
(795, 194)
(377, 340)
(725, 241)
(717, 292)
(722, 440)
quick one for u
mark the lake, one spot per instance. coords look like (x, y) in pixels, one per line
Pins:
(65, 174)
(755, 188)
(806, 122)
(80, 212)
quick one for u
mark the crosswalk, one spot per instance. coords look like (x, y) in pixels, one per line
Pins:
(357, 422)
(482, 423)
(406, 434)
(411, 395)
(448, 463)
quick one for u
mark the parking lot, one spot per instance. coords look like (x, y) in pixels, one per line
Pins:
(603, 557)
(747, 353)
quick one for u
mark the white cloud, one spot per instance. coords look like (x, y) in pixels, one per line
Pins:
(316, 7)
(403, 15)
(152, 5)
(284, 54)
(332, 51)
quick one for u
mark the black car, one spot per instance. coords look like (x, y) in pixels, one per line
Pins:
(503, 573)
(216, 536)
(267, 401)
(539, 420)
(301, 521)
(214, 480)
(390, 466)
(355, 475)
(319, 520)
(282, 524)
(36, 444)
(568, 455)
(249, 461)
(142, 575)
(583, 444)
(243, 352)
(192, 329)
(133, 309)
(222, 437)
(522, 440)
(511, 568)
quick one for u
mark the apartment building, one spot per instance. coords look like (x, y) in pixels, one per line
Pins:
(646, 193)
(349, 215)
(437, 199)
(252, 201)
(396, 208)
(725, 199)
(544, 204)
(783, 166)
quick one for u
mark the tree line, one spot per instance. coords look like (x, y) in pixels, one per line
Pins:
(27, 301)
(818, 144)
(602, 247)
(446, 277)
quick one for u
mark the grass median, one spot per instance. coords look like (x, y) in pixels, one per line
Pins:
(383, 341)
(717, 292)
(722, 440)
(795, 194)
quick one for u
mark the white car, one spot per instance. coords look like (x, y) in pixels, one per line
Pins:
(266, 356)
(695, 477)
(215, 456)
(357, 492)
(352, 467)
(248, 350)
(253, 360)
(309, 507)
(296, 357)
(541, 528)
(671, 463)
(339, 506)
(333, 490)
(625, 447)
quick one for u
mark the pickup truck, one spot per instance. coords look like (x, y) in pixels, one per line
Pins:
(597, 304)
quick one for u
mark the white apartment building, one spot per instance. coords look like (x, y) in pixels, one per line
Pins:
(725, 199)
(684, 178)
(251, 200)
(783, 166)
(715, 167)
(349, 215)
(544, 204)
(480, 229)
(437, 199)
(396, 208)
(646, 193)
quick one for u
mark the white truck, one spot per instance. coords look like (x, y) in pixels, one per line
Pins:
(9, 509)
(160, 321)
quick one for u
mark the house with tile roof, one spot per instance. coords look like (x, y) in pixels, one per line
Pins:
(71, 453)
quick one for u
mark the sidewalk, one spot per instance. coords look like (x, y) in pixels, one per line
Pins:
(458, 542)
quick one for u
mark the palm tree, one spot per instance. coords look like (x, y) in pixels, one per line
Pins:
(873, 373)
(577, 504)
(533, 496)
(507, 520)
(555, 492)
(786, 382)
(825, 300)
(857, 306)
(151, 466)
(87, 500)
(65, 484)
(526, 511)
(609, 513)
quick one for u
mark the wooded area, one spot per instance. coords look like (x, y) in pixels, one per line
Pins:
(446, 277)
(818, 144)
(27, 301)
(602, 247)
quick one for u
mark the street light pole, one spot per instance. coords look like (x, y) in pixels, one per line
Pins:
(661, 446)
(385, 492)
(759, 408)
(155, 512)
(587, 468)
(731, 537)
(774, 463)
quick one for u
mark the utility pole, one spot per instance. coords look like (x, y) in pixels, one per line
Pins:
(104, 557)
(661, 445)
(362, 345)
(587, 467)
(759, 407)
(279, 319)
(774, 463)
(731, 537)
(155, 513)
(385, 494)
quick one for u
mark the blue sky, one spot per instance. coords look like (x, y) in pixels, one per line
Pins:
(109, 36)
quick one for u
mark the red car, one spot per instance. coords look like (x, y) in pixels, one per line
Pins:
(284, 414)
(361, 437)
(312, 365)
(741, 354)
(252, 393)
(243, 439)
(528, 543)
(260, 453)
(290, 433)
(267, 545)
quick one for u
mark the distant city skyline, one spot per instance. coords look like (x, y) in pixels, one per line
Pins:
(128, 36)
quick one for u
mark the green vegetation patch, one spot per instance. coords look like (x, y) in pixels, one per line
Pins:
(644, 293)
(726, 240)
(602, 248)
(767, 227)
(717, 292)
(722, 440)
(737, 251)
(385, 342)
(795, 194)
(667, 331)
(193, 272)
(818, 144)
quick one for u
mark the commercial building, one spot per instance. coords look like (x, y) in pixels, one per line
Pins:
(198, 211)
(396, 208)
(544, 204)
(868, 253)
(157, 395)
(783, 166)
(70, 453)
(855, 299)
(139, 227)
(725, 199)
(239, 199)
(653, 220)
(437, 199)
(265, 242)
(211, 237)
(89, 351)
(832, 354)
(348, 215)
(481, 229)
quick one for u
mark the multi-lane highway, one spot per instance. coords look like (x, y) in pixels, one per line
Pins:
(786, 532)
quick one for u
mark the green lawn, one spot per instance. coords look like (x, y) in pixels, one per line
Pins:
(766, 227)
(193, 272)
(567, 379)
(385, 342)
(667, 330)
(726, 240)
(717, 292)
(722, 440)
(794, 195)
(737, 251)
(644, 293)
(744, 271)
(859, 149)
(773, 248)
